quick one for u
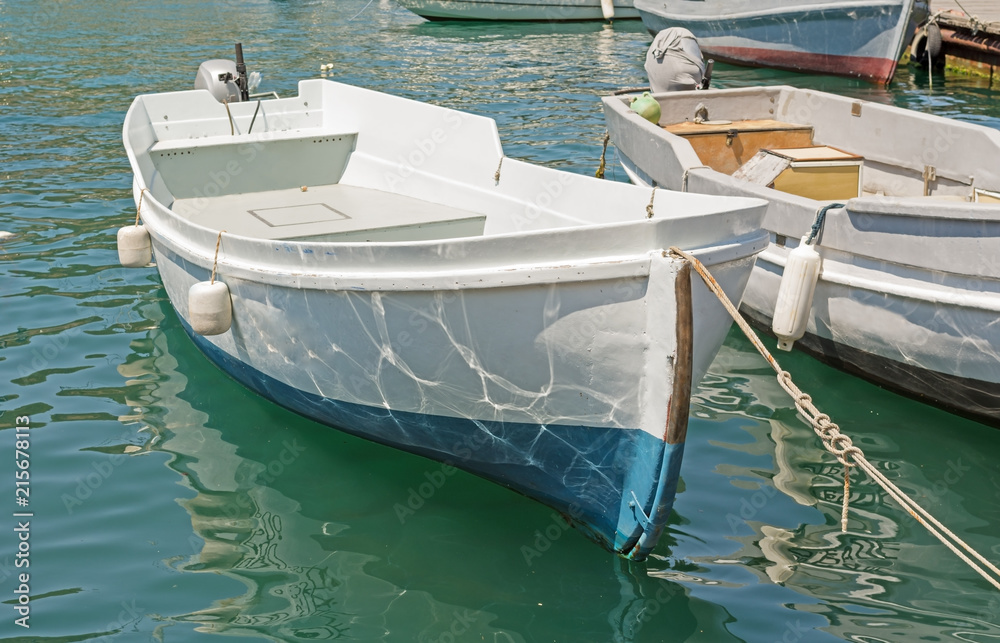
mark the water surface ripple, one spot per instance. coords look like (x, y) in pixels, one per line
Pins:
(172, 505)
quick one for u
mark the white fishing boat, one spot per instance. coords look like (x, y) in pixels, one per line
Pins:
(862, 38)
(900, 209)
(378, 265)
(529, 10)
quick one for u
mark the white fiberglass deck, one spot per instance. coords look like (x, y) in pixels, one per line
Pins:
(331, 213)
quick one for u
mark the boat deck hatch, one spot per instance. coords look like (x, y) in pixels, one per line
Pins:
(331, 213)
(726, 145)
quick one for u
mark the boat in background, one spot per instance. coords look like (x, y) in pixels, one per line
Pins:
(902, 208)
(377, 264)
(524, 10)
(864, 39)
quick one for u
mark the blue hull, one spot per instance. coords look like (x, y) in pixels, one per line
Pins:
(599, 479)
(860, 41)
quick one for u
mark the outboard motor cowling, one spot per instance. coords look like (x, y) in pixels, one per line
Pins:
(225, 79)
(219, 77)
(674, 61)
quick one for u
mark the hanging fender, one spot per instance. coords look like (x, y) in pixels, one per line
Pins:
(795, 295)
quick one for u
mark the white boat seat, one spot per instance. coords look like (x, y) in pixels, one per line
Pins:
(214, 166)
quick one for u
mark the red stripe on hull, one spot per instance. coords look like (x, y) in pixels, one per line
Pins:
(879, 70)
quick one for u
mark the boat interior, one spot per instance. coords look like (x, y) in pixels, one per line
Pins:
(287, 186)
(827, 147)
(339, 163)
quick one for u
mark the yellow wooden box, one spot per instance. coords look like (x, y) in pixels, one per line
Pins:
(821, 172)
(724, 145)
(987, 196)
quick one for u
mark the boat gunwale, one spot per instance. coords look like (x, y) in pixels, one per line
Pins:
(444, 277)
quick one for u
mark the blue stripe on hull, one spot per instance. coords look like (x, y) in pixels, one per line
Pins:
(616, 485)
(588, 474)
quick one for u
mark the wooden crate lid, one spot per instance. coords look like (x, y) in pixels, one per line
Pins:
(722, 127)
(816, 153)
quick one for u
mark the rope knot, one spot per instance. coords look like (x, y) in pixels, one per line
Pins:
(851, 457)
(138, 208)
(600, 170)
(840, 445)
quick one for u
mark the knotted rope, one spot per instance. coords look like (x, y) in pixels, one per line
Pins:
(687, 175)
(215, 262)
(820, 218)
(604, 151)
(841, 446)
(138, 208)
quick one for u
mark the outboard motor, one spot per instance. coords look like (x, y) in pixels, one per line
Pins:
(226, 80)
(674, 62)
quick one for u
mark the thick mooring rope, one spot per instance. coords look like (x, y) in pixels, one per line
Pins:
(841, 446)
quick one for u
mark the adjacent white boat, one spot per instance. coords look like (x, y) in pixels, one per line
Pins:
(393, 275)
(909, 292)
(863, 38)
(534, 10)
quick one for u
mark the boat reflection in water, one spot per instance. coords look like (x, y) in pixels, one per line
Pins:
(887, 574)
(318, 526)
(333, 536)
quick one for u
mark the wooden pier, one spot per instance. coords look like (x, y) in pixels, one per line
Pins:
(970, 35)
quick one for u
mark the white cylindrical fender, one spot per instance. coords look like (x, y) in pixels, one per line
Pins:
(134, 247)
(608, 7)
(210, 308)
(795, 295)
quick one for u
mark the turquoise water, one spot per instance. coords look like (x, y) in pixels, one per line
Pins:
(169, 504)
